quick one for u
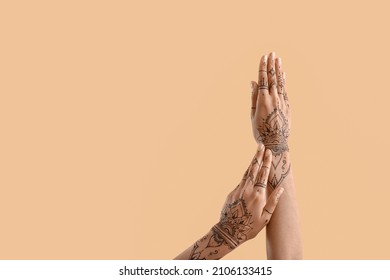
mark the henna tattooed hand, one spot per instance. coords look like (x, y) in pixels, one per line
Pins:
(270, 111)
(271, 117)
(245, 213)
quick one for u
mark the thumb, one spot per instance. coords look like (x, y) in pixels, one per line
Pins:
(272, 202)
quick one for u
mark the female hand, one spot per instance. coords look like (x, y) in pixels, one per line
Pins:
(245, 212)
(270, 112)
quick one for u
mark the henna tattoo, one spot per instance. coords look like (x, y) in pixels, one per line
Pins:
(263, 66)
(255, 161)
(263, 84)
(286, 98)
(231, 231)
(245, 174)
(268, 211)
(235, 223)
(281, 168)
(280, 84)
(208, 245)
(248, 175)
(261, 185)
(274, 132)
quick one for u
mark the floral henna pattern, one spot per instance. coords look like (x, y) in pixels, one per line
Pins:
(231, 231)
(274, 132)
(235, 223)
(207, 247)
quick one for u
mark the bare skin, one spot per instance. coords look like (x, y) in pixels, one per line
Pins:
(245, 213)
(271, 123)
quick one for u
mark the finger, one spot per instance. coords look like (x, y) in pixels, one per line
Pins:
(263, 77)
(252, 171)
(285, 97)
(272, 75)
(261, 183)
(271, 204)
(255, 165)
(279, 78)
(254, 98)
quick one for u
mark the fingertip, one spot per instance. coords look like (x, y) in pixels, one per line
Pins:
(268, 155)
(253, 86)
(264, 58)
(260, 147)
(279, 193)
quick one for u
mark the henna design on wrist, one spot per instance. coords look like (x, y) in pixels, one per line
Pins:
(230, 232)
(280, 169)
(207, 246)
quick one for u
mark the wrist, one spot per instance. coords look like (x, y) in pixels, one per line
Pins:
(280, 169)
(210, 247)
(228, 240)
(280, 147)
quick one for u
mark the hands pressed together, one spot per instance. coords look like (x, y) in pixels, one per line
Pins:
(251, 205)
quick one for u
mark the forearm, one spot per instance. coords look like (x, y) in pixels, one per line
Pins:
(283, 231)
(210, 247)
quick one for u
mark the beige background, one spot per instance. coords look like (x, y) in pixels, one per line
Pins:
(124, 124)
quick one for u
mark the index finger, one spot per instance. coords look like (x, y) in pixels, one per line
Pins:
(263, 77)
(271, 75)
(252, 172)
(261, 184)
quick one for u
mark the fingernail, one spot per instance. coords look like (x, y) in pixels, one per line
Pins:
(280, 192)
(260, 147)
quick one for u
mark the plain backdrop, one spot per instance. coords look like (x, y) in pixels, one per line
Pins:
(124, 124)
